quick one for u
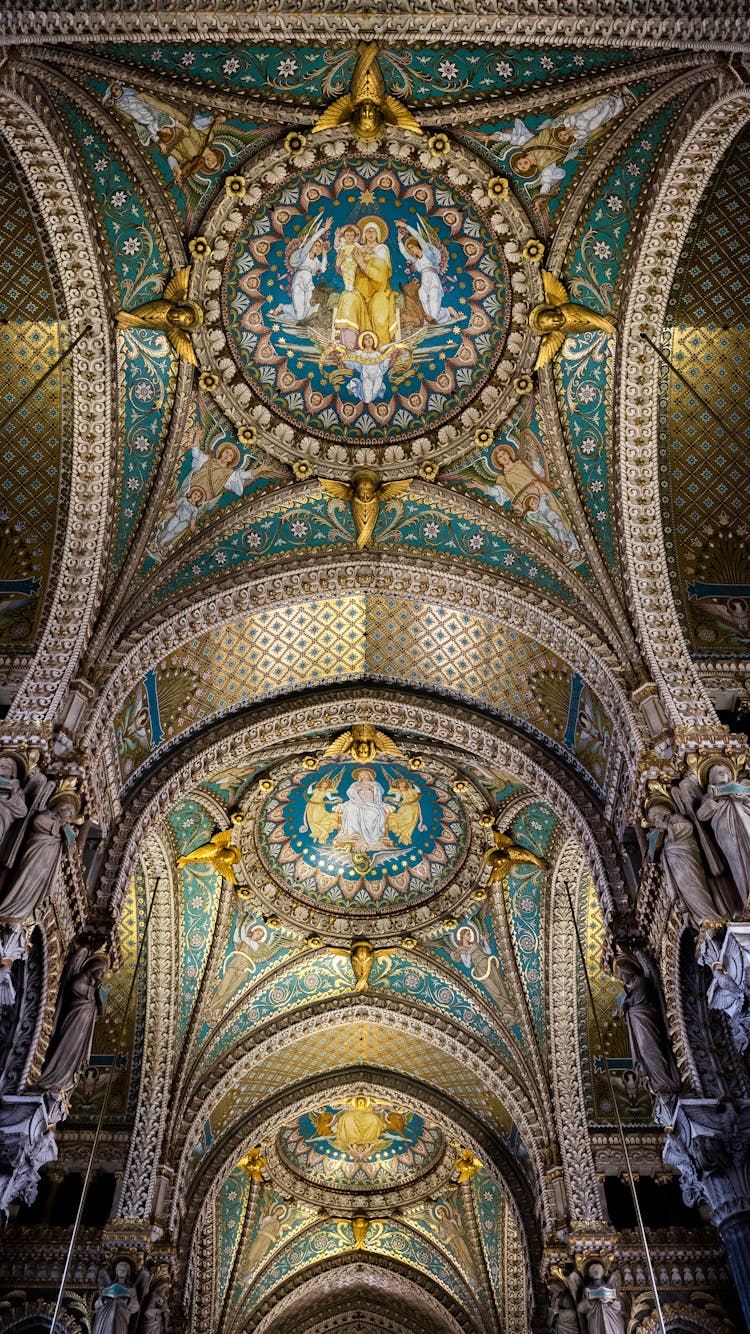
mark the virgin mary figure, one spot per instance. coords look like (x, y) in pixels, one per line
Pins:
(371, 305)
(363, 814)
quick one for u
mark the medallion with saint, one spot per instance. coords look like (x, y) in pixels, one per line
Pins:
(366, 301)
(362, 1144)
(362, 835)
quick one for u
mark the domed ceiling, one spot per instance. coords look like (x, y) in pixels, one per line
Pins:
(358, 689)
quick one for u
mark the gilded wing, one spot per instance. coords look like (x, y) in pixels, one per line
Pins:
(367, 81)
(579, 319)
(390, 489)
(365, 515)
(554, 292)
(551, 344)
(338, 113)
(386, 745)
(341, 746)
(395, 113)
(182, 344)
(341, 490)
(222, 839)
(177, 287)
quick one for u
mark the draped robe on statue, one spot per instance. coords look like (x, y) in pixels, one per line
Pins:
(372, 303)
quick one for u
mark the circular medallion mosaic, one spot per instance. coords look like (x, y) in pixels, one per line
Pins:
(368, 299)
(361, 1144)
(362, 836)
(357, 305)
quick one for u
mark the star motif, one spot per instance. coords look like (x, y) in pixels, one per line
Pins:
(367, 197)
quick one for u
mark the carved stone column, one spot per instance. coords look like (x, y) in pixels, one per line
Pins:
(708, 1143)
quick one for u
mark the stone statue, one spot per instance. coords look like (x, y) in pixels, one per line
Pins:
(563, 1306)
(78, 1007)
(727, 806)
(12, 801)
(677, 850)
(27, 1128)
(154, 1317)
(13, 946)
(51, 830)
(598, 1301)
(649, 1043)
(118, 1300)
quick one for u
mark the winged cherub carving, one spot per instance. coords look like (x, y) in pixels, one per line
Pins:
(361, 956)
(558, 316)
(365, 494)
(220, 852)
(466, 1165)
(505, 855)
(367, 105)
(172, 314)
(363, 742)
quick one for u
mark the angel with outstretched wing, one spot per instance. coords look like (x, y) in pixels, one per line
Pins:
(364, 494)
(307, 258)
(424, 252)
(557, 317)
(172, 314)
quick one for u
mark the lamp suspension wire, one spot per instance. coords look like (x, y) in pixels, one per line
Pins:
(620, 1127)
(102, 1113)
(49, 371)
(665, 359)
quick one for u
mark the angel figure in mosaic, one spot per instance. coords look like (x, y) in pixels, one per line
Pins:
(307, 259)
(172, 314)
(424, 252)
(365, 494)
(557, 318)
(506, 855)
(523, 482)
(220, 852)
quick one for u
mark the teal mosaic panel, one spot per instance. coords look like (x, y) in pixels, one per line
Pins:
(230, 1209)
(593, 274)
(139, 264)
(489, 1205)
(191, 149)
(308, 525)
(317, 74)
(201, 887)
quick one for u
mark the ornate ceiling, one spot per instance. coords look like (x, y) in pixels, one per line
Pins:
(349, 576)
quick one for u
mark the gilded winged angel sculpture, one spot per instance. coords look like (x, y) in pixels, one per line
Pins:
(505, 855)
(362, 956)
(367, 105)
(558, 316)
(172, 314)
(466, 1165)
(220, 852)
(365, 494)
(363, 742)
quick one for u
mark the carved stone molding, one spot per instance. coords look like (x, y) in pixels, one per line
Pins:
(26, 119)
(585, 23)
(665, 231)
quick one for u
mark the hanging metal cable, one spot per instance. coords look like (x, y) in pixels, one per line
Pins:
(620, 1127)
(49, 371)
(102, 1113)
(665, 359)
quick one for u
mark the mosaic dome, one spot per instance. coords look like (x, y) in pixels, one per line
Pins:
(364, 302)
(361, 839)
(361, 1144)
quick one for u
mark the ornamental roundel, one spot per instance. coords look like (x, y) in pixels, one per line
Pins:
(354, 1148)
(361, 848)
(364, 308)
(360, 1144)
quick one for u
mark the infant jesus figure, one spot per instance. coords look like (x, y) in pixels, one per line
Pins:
(346, 244)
